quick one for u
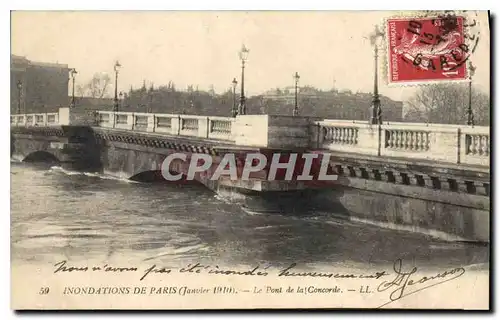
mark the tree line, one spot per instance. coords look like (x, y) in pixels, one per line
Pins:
(436, 103)
(448, 103)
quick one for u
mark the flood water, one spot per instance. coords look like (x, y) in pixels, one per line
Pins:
(60, 215)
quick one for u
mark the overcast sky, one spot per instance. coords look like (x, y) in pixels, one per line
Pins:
(201, 48)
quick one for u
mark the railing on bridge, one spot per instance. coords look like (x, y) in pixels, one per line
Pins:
(219, 128)
(35, 119)
(436, 142)
(439, 142)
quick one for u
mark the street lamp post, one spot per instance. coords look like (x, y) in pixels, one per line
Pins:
(243, 57)
(296, 107)
(376, 114)
(150, 100)
(234, 111)
(117, 69)
(19, 89)
(470, 114)
(376, 111)
(73, 73)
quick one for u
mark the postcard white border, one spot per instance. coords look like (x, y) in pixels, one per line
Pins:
(199, 4)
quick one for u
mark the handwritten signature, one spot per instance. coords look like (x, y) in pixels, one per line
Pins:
(407, 283)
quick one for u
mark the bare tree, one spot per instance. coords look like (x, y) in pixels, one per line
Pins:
(447, 103)
(97, 87)
(80, 91)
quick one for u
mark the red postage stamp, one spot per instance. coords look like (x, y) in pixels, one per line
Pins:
(426, 49)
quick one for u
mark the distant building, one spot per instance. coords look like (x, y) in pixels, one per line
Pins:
(287, 94)
(329, 104)
(44, 85)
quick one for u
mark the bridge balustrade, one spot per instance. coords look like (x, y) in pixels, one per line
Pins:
(104, 119)
(52, 118)
(219, 128)
(163, 123)
(439, 142)
(476, 145)
(35, 119)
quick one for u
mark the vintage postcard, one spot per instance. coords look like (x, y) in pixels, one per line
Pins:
(250, 160)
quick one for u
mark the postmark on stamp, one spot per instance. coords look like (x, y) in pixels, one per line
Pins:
(427, 49)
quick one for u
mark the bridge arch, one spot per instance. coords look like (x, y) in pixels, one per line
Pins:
(41, 156)
(148, 176)
(156, 176)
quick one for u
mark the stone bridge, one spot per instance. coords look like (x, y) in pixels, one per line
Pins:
(429, 178)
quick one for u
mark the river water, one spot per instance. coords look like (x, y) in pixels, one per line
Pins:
(60, 215)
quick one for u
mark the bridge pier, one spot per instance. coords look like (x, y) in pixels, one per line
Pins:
(290, 202)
